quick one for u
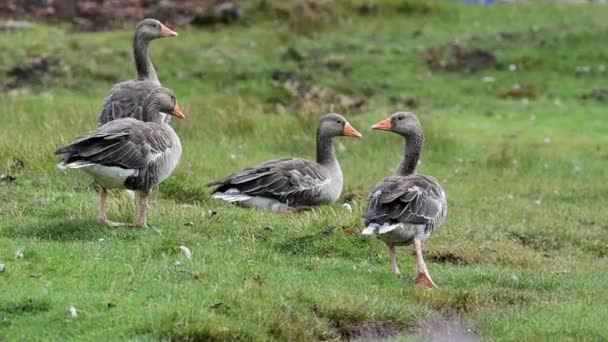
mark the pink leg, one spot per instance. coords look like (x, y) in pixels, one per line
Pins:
(101, 215)
(392, 252)
(423, 279)
(142, 220)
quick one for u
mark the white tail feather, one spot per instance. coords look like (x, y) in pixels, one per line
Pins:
(369, 230)
(231, 197)
(75, 165)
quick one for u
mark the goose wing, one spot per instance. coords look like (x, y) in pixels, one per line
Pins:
(290, 180)
(126, 143)
(125, 100)
(416, 199)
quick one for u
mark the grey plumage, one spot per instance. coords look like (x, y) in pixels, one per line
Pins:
(408, 207)
(296, 182)
(128, 144)
(125, 99)
(129, 153)
(289, 183)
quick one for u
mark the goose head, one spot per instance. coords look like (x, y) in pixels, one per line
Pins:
(152, 29)
(162, 101)
(402, 123)
(334, 125)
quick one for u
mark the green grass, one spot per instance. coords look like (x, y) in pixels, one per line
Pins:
(522, 256)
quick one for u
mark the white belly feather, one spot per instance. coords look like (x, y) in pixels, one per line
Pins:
(110, 177)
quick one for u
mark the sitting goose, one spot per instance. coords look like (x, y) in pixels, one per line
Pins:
(408, 207)
(129, 153)
(291, 184)
(125, 100)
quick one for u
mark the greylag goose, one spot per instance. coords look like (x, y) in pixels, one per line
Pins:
(291, 184)
(125, 100)
(405, 209)
(129, 153)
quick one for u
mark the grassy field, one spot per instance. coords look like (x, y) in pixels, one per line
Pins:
(522, 256)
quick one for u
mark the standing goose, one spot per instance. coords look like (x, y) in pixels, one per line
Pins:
(125, 100)
(129, 153)
(407, 207)
(291, 184)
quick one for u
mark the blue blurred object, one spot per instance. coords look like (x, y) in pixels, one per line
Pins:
(480, 2)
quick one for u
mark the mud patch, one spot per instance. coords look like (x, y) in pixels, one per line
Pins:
(34, 72)
(456, 58)
(520, 92)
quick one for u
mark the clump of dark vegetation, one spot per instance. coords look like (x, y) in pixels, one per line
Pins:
(536, 241)
(367, 331)
(599, 95)
(34, 72)
(301, 244)
(28, 306)
(457, 58)
(448, 257)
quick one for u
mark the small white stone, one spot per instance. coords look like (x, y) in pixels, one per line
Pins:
(538, 201)
(347, 207)
(2, 267)
(186, 252)
(73, 311)
(19, 254)
(547, 140)
(513, 67)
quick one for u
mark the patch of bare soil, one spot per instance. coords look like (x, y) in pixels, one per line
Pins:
(457, 58)
(104, 14)
(520, 92)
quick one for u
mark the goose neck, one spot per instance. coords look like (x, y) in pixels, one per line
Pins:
(413, 148)
(326, 155)
(143, 64)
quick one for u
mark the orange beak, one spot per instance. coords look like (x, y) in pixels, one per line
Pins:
(350, 131)
(167, 32)
(177, 112)
(384, 125)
